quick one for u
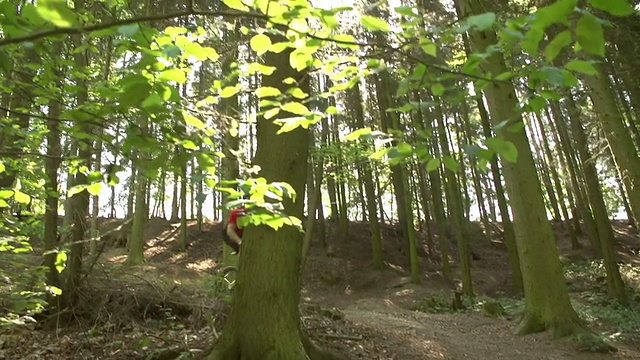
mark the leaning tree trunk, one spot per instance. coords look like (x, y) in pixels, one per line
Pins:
(547, 304)
(618, 136)
(599, 209)
(264, 323)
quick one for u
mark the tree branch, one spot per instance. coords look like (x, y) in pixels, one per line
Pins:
(147, 18)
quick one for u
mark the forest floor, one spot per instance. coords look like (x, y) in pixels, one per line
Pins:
(175, 304)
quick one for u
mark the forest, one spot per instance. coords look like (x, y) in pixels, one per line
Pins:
(422, 179)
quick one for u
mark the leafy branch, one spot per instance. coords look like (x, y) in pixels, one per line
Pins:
(106, 25)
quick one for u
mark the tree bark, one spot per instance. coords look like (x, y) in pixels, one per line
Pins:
(264, 323)
(547, 304)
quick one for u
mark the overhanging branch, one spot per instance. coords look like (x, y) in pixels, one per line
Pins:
(84, 29)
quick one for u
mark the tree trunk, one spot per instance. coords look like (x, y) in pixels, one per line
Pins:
(52, 165)
(264, 323)
(582, 199)
(182, 235)
(136, 238)
(79, 203)
(507, 225)
(618, 136)
(455, 207)
(547, 304)
(366, 174)
(603, 223)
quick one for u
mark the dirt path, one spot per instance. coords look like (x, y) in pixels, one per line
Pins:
(414, 335)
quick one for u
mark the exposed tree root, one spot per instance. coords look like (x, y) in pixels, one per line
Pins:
(572, 328)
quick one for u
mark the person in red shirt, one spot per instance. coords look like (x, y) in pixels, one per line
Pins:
(232, 234)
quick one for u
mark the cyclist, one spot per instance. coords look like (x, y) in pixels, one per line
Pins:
(232, 233)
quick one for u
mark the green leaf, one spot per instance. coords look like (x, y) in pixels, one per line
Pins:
(379, 154)
(236, 4)
(556, 45)
(21, 197)
(193, 121)
(557, 12)
(300, 57)
(262, 69)
(406, 11)
(297, 93)
(581, 66)
(373, 23)
(450, 163)
(57, 12)
(266, 91)
(6, 194)
(433, 164)
(590, 35)
(129, 30)
(271, 113)
(61, 261)
(437, 89)
(404, 149)
(613, 7)
(152, 101)
(76, 190)
(482, 21)
(2, 168)
(536, 104)
(229, 91)
(54, 290)
(296, 108)
(176, 75)
(260, 43)
(95, 188)
(504, 148)
(355, 135)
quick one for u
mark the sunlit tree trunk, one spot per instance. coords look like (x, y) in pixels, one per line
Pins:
(264, 323)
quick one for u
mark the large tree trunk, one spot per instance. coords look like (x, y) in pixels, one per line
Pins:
(264, 323)
(547, 304)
